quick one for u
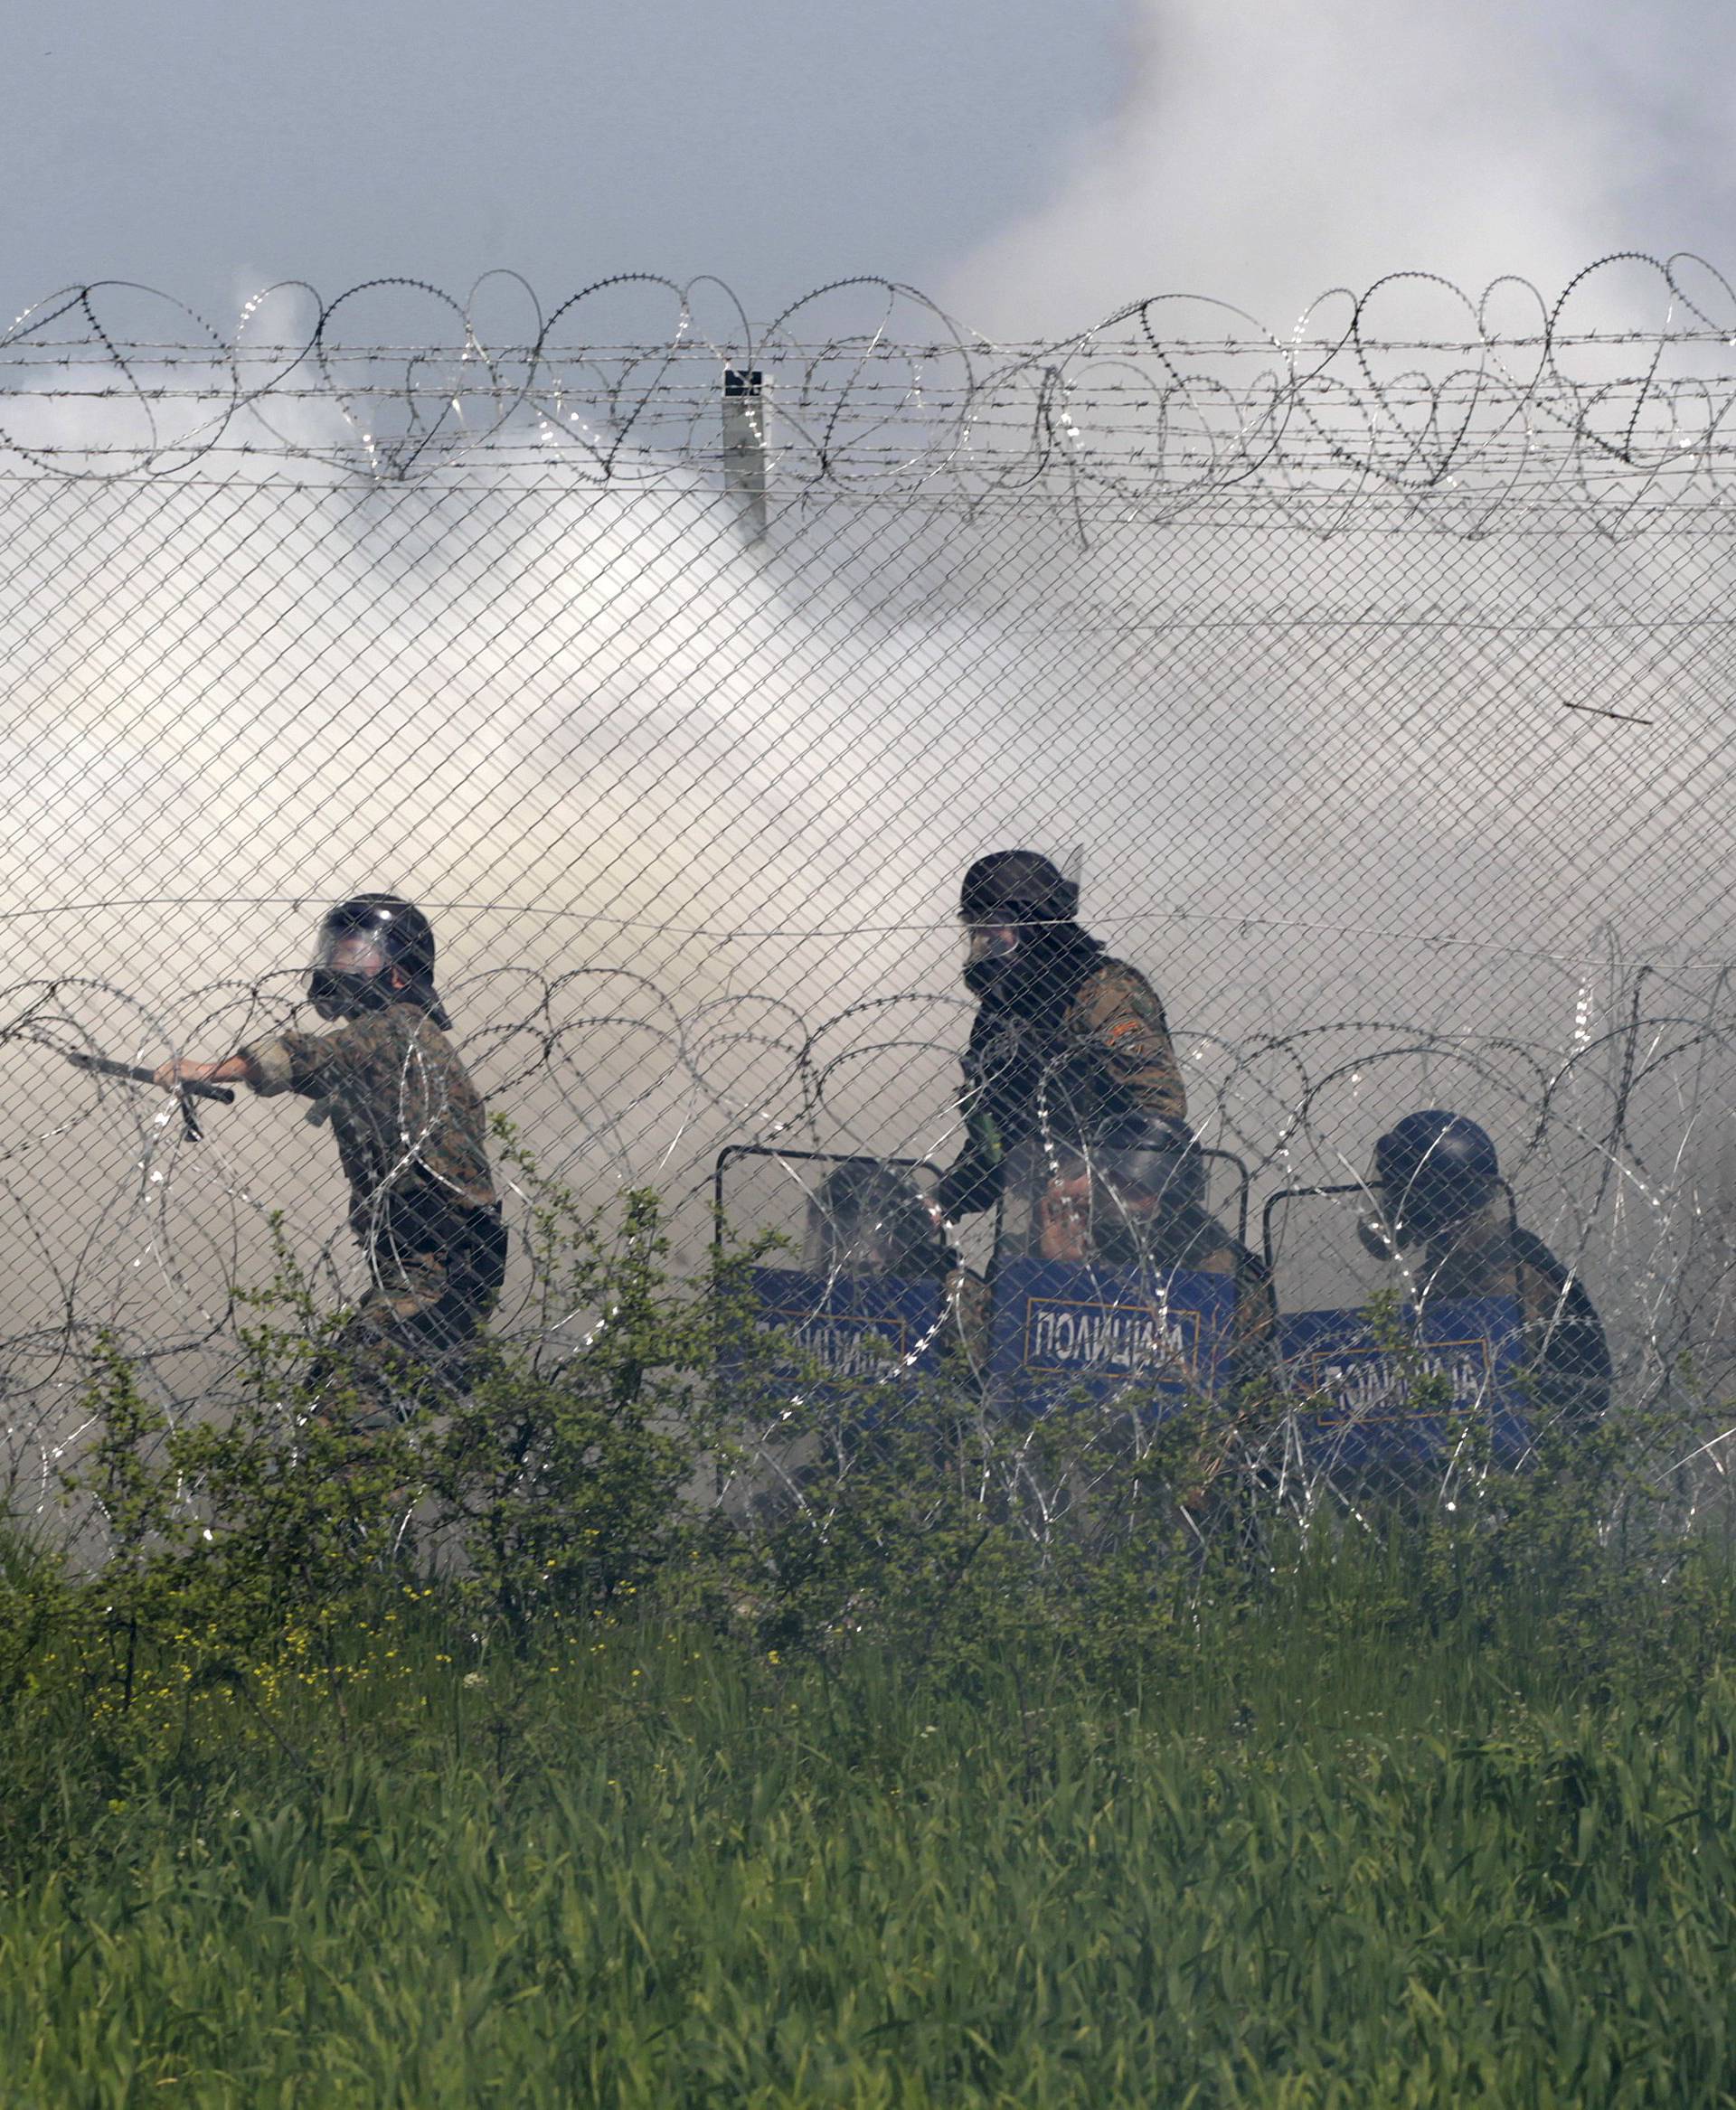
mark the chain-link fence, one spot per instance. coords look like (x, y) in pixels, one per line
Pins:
(1373, 684)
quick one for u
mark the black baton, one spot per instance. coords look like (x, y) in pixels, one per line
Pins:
(100, 1066)
(134, 1074)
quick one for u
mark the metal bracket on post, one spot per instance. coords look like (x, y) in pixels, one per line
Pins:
(744, 447)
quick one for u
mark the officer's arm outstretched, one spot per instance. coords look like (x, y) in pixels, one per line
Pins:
(230, 1070)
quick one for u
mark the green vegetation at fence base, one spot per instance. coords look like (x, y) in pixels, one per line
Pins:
(1328, 1849)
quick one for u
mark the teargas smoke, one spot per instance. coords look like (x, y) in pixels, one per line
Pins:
(1377, 685)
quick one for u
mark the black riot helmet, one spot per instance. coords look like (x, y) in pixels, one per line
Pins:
(1017, 887)
(1152, 1167)
(1158, 1166)
(1016, 905)
(1124, 1199)
(869, 1218)
(365, 944)
(1432, 1170)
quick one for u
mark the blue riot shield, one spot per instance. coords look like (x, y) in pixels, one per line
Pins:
(850, 1314)
(849, 1328)
(1360, 1400)
(1409, 1394)
(1151, 1339)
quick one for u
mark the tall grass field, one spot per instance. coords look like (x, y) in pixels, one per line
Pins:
(966, 1760)
(1333, 1844)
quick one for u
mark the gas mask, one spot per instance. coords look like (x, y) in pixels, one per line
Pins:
(349, 975)
(992, 949)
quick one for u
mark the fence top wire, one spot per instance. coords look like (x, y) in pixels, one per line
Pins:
(1614, 395)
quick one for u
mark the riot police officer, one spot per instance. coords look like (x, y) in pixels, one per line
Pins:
(870, 1218)
(412, 1136)
(1067, 1043)
(1440, 1206)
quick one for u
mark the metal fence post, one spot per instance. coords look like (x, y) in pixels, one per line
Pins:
(744, 447)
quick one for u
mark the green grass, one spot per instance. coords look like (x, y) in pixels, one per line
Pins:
(1322, 1854)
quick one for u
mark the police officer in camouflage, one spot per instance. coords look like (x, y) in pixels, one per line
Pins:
(1440, 1208)
(412, 1138)
(1075, 1112)
(1066, 1040)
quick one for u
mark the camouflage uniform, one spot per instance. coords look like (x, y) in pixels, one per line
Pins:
(1097, 1053)
(412, 1136)
(1566, 1353)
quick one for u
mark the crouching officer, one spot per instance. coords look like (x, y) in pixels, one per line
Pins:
(1139, 1200)
(1057, 1020)
(872, 1218)
(1440, 1208)
(412, 1139)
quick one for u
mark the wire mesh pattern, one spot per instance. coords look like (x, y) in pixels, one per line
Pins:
(1374, 680)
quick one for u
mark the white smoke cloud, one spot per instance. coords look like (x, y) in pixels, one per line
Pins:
(1262, 155)
(1265, 153)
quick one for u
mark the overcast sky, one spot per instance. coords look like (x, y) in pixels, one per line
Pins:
(203, 145)
(1033, 162)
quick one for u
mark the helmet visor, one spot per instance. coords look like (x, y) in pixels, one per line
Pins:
(348, 973)
(1104, 1206)
(883, 1225)
(989, 941)
(1431, 1200)
(351, 952)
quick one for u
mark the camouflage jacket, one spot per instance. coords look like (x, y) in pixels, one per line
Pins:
(411, 1133)
(1098, 1057)
(1567, 1354)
